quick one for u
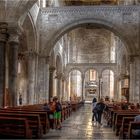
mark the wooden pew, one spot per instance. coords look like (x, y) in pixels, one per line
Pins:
(119, 118)
(39, 107)
(43, 116)
(35, 108)
(33, 120)
(11, 127)
(115, 112)
(124, 127)
(132, 126)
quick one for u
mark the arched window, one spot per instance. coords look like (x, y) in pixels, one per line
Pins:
(92, 75)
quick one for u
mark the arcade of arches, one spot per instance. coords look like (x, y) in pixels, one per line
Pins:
(71, 49)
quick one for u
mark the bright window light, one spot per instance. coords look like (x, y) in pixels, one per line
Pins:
(44, 3)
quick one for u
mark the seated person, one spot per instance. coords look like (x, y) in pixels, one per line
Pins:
(124, 106)
(46, 107)
(136, 132)
(138, 106)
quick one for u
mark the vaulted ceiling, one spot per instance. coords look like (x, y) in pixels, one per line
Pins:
(12, 10)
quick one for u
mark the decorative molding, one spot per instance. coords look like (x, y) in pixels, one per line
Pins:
(14, 38)
(85, 9)
(14, 33)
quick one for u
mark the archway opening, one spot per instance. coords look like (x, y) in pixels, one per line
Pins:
(91, 85)
(75, 85)
(107, 84)
(88, 46)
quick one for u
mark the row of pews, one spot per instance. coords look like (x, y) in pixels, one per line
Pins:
(122, 121)
(29, 121)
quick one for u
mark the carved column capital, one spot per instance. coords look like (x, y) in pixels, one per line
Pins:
(13, 39)
(14, 34)
(3, 32)
(132, 58)
(59, 75)
(21, 56)
(52, 69)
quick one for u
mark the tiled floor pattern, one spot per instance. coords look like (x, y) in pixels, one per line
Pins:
(79, 126)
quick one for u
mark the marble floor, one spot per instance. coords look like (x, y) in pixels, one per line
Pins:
(79, 126)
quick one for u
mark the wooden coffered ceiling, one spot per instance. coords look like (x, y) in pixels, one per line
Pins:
(90, 2)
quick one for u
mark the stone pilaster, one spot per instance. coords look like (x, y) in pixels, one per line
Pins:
(13, 64)
(3, 40)
(51, 69)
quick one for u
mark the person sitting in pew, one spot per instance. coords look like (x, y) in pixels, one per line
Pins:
(136, 132)
(124, 106)
(46, 107)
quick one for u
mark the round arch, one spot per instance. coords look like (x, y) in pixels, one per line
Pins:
(75, 68)
(96, 22)
(108, 68)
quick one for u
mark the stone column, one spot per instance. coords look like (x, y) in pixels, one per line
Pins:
(59, 85)
(51, 69)
(63, 86)
(83, 79)
(67, 94)
(31, 76)
(13, 64)
(41, 79)
(100, 88)
(47, 75)
(3, 40)
(134, 79)
(115, 88)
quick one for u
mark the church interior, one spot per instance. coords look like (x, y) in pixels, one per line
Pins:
(72, 50)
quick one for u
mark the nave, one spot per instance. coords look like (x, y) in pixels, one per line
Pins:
(79, 126)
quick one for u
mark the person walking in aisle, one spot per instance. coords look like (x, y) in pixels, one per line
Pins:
(94, 115)
(100, 106)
